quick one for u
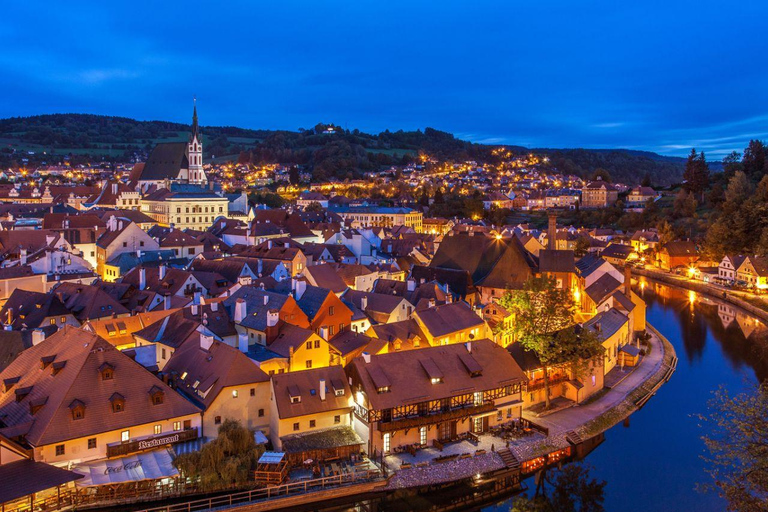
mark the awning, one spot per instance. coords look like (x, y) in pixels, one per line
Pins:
(151, 465)
(24, 477)
(259, 437)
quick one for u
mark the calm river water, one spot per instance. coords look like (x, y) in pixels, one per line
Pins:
(654, 463)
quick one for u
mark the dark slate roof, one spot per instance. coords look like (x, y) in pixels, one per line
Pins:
(602, 288)
(256, 310)
(619, 251)
(165, 161)
(311, 300)
(610, 322)
(24, 477)
(551, 260)
(491, 262)
(588, 264)
(458, 281)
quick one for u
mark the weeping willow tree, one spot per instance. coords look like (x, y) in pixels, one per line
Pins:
(226, 461)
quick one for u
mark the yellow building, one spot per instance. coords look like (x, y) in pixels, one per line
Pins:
(193, 210)
(372, 216)
(306, 403)
(86, 400)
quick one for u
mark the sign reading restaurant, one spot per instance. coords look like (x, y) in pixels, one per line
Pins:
(138, 445)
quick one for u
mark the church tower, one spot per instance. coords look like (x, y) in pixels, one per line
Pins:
(196, 173)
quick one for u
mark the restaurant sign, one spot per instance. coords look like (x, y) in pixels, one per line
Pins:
(150, 443)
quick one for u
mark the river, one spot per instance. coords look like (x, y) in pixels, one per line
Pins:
(655, 463)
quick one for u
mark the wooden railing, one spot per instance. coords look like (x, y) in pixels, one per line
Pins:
(289, 489)
(539, 383)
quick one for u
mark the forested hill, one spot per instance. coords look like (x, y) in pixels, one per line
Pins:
(326, 150)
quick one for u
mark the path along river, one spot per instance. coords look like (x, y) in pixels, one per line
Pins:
(655, 462)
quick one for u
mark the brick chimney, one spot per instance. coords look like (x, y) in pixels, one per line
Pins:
(273, 316)
(628, 281)
(552, 232)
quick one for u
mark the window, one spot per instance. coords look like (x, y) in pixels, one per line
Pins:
(217, 420)
(125, 436)
(53, 321)
(176, 425)
(331, 310)
(261, 413)
(331, 330)
(317, 343)
(309, 345)
(59, 450)
(423, 435)
(125, 244)
(309, 363)
(253, 391)
(92, 443)
(312, 423)
(158, 429)
(387, 442)
(235, 393)
(337, 419)
(163, 352)
(295, 427)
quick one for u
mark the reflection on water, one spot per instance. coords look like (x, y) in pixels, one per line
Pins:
(655, 463)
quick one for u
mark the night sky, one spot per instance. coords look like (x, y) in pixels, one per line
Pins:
(655, 75)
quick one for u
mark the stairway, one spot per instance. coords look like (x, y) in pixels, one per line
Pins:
(509, 459)
(573, 437)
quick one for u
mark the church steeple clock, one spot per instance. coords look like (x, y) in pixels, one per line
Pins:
(195, 152)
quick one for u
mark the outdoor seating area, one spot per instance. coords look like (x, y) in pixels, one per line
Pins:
(332, 467)
(464, 447)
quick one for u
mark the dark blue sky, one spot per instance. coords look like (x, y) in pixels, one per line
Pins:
(656, 75)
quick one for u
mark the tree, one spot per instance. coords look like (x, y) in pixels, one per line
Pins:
(666, 233)
(685, 204)
(227, 460)
(582, 246)
(601, 174)
(314, 206)
(293, 175)
(737, 443)
(754, 160)
(646, 180)
(571, 490)
(731, 164)
(696, 174)
(544, 324)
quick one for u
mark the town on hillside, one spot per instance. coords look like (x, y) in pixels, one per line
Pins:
(335, 331)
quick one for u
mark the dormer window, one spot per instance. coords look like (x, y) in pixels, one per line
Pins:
(383, 389)
(107, 371)
(57, 366)
(36, 405)
(295, 394)
(295, 399)
(22, 393)
(9, 383)
(78, 409)
(118, 402)
(45, 361)
(156, 395)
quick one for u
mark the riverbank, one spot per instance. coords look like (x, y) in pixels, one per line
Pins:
(710, 290)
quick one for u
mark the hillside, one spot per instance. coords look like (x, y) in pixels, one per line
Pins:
(342, 154)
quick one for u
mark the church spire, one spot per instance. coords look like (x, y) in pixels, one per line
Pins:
(194, 119)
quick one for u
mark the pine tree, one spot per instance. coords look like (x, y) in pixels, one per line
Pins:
(696, 174)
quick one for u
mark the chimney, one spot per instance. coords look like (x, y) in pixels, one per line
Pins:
(38, 335)
(366, 357)
(269, 244)
(324, 332)
(273, 316)
(114, 188)
(266, 299)
(214, 306)
(469, 346)
(628, 281)
(10, 319)
(142, 278)
(239, 310)
(598, 327)
(301, 287)
(322, 390)
(411, 285)
(242, 342)
(205, 341)
(161, 271)
(552, 232)
(364, 302)
(23, 256)
(167, 302)
(194, 309)
(287, 245)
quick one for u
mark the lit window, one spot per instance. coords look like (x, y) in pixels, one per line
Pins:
(176, 425)
(235, 394)
(158, 429)
(125, 436)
